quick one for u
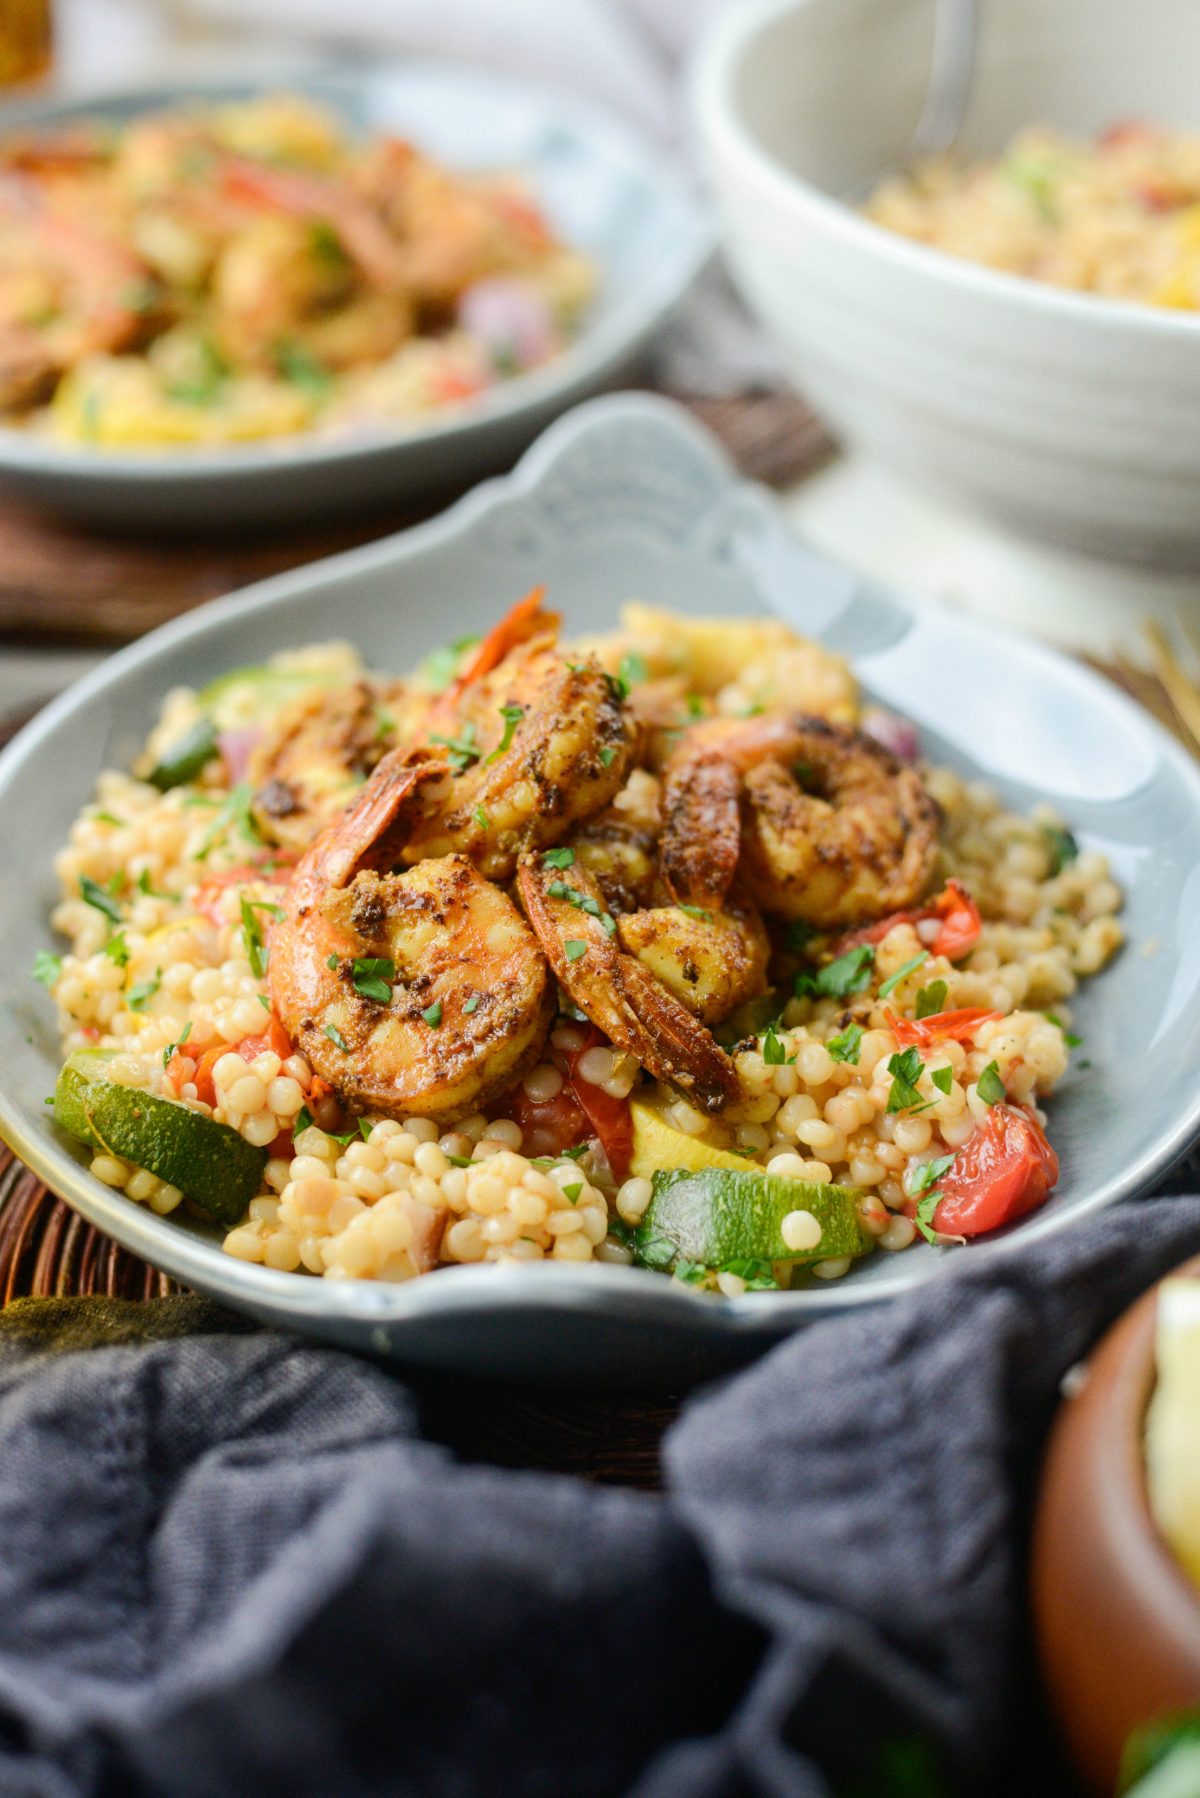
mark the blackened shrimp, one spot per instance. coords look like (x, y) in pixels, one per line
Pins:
(422, 992)
(819, 821)
(616, 990)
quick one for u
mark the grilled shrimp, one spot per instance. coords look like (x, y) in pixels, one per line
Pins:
(422, 992)
(538, 745)
(616, 991)
(713, 957)
(319, 746)
(831, 829)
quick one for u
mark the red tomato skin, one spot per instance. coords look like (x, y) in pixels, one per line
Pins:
(548, 1126)
(1004, 1171)
(955, 907)
(944, 1026)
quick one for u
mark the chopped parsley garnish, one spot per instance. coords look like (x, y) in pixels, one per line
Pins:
(558, 889)
(372, 975)
(331, 961)
(472, 1004)
(757, 1274)
(263, 1000)
(108, 818)
(432, 1014)
(905, 1069)
(177, 1044)
(608, 757)
(921, 1184)
(1069, 1037)
(692, 1273)
(304, 1118)
(799, 935)
(695, 705)
(463, 748)
(138, 997)
(943, 1079)
(236, 811)
(143, 886)
(117, 949)
(574, 949)
(696, 911)
(440, 668)
(385, 724)
(97, 896)
(931, 999)
(335, 1036)
(839, 979)
(1061, 847)
(481, 818)
(186, 757)
(512, 716)
(989, 1085)
(572, 1192)
(618, 1229)
(910, 967)
(558, 858)
(460, 1161)
(846, 1047)
(47, 967)
(632, 669)
(252, 930)
(298, 366)
(773, 1050)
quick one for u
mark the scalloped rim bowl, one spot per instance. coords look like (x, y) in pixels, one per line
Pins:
(629, 496)
(606, 192)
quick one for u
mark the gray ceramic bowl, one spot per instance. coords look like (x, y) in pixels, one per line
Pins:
(625, 497)
(605, 192)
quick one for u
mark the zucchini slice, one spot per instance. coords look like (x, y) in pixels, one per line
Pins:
(714, 1216)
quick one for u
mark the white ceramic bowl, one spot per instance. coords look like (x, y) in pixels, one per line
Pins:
(1066, 417)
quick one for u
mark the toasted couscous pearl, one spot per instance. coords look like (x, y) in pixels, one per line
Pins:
(543, 1083)
(833, 1269)
(633, 1198)
(109, 1169)
(800, 1231)
(898, 1235)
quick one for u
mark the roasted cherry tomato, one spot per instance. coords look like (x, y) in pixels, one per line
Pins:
(549, 1126)
(1006, 1169)
(954, 906)
(943, 1027)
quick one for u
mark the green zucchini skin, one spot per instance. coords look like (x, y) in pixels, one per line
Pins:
(214, 1167)
(715, 1215)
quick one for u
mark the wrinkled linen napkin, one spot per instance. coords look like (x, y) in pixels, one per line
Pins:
(231, 1564)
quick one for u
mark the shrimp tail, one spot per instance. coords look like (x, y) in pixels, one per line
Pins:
(372, 831)
(620, 996)
(523, 621)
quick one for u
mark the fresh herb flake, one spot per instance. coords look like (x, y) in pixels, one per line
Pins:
(931, 999)
(472, 1004)
(574, 949)
(512, 716)
(910, 967)
(905, 1069)
(572, 1192)
(943, 1079)
(696, 911)
(839, 979)
(97, 896)
(847, 1046)
(432, 1014)
(1061, 847)
(372, 976)
(558, 858)
(335, 1036)
(773, 1052)
(304, 1118)
(989, 1085)
(47, 967)
(608, 757)
(138, 997)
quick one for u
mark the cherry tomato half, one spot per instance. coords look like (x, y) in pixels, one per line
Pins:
(943, 1027)
(1002, 1172)
(954, 906)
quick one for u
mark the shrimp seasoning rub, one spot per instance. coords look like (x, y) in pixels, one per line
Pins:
(639, 949)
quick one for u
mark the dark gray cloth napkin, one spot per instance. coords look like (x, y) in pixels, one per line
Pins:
(230, 1564)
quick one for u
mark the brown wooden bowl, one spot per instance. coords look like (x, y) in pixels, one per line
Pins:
(1117, 1619)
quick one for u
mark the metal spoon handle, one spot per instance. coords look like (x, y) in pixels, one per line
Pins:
(955, 40)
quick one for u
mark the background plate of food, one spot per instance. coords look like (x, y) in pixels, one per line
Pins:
(750, 944)
(224, 302)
